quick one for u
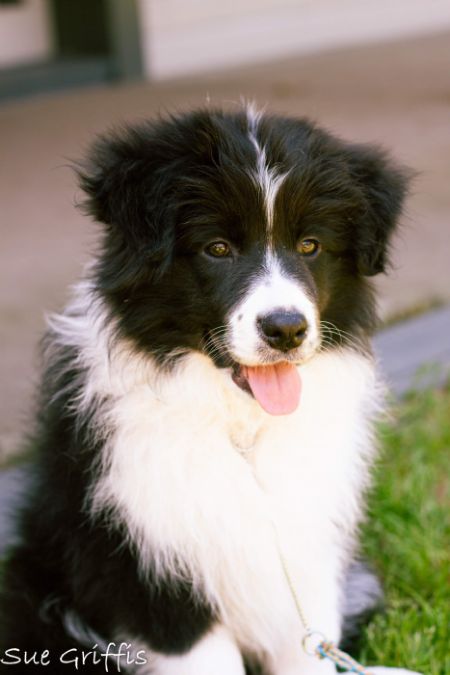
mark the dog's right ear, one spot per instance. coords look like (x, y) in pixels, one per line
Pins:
(383, 187)
(126, 182)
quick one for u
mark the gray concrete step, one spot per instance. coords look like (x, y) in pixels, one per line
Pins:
(13, 485)
(415, 354)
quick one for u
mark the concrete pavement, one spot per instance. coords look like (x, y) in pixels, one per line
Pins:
(416, 353)
(13, 485)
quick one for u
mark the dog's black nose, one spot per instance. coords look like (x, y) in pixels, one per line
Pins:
(283, 330)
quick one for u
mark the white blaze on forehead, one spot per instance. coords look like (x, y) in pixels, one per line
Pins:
(266, 178)
(272, 290)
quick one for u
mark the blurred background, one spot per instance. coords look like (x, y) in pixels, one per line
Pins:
(368, 70)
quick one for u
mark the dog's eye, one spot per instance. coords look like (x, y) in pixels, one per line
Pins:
(308, 247)
(218, 249)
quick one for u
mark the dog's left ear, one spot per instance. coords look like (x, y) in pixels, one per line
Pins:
(125, 181)
(384, 187)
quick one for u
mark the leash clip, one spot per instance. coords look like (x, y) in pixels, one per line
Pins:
(311, 642)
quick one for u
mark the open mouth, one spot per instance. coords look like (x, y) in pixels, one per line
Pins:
(276, 387)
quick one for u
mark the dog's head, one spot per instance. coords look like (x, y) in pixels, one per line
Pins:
(246, 236)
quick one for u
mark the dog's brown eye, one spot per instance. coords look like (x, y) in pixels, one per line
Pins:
(308, 247)
(218, 249)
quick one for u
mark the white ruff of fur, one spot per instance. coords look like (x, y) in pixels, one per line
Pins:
(266, 178)
(195, 506)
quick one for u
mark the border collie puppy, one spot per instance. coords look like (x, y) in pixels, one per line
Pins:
(208, 404)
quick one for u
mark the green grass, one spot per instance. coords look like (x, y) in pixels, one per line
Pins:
(408, 538)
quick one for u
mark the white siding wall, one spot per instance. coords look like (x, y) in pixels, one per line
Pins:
(187, 36)
(25, 33)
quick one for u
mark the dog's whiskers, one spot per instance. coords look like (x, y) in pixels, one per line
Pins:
(215, 342)
(331, 332)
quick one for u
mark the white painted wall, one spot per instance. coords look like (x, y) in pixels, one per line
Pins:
(188, 36)
(25, 33)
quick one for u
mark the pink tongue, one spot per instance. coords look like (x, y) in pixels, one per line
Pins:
(276, 388)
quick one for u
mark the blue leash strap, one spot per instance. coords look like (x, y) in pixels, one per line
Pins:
(327, 650)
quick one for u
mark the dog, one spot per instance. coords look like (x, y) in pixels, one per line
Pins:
(206, 419)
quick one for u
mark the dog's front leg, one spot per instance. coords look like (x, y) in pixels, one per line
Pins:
(215, 654)
(318, 596)
(298, 663)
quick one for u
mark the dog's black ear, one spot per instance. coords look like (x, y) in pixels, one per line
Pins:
(125, 179)
(383, 187)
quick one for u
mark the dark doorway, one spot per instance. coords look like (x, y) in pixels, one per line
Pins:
(81, 28)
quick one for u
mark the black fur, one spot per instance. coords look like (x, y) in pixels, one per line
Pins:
(163, 190)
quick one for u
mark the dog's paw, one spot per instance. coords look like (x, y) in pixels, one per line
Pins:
(383, 670)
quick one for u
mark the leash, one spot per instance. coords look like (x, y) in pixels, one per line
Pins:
(324, 649)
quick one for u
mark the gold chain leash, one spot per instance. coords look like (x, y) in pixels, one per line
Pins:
(325, 649)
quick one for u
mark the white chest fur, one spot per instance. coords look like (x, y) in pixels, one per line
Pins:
(197, 472)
